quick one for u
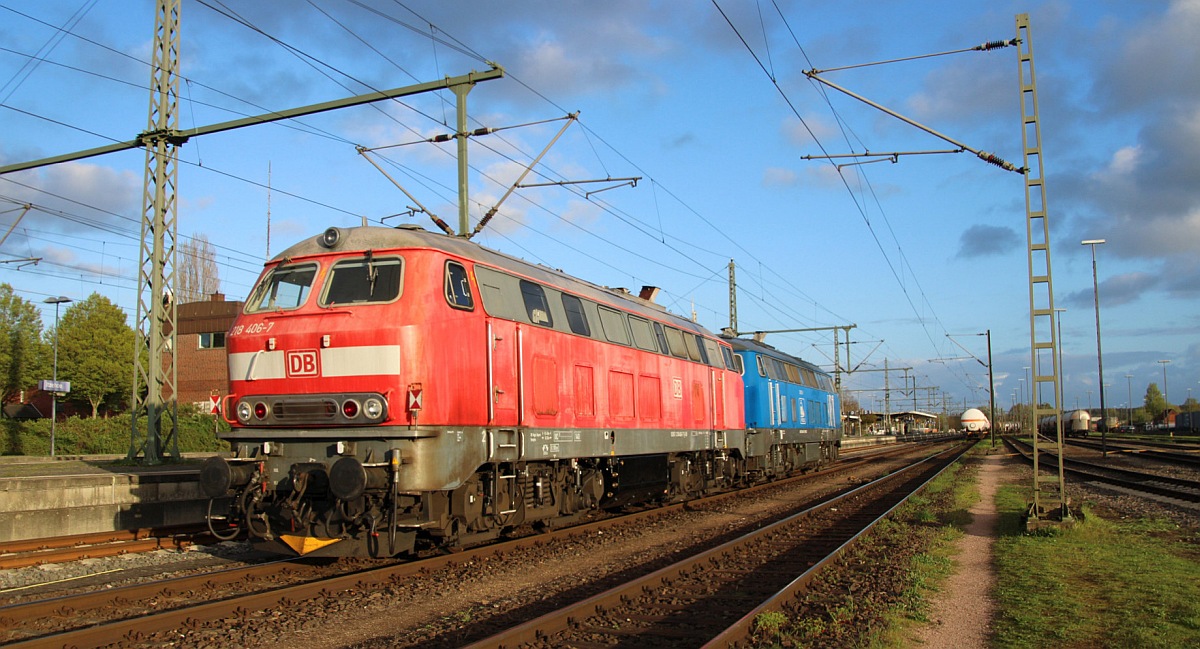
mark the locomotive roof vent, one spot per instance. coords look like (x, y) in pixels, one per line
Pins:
(410, 226)
(330, 237)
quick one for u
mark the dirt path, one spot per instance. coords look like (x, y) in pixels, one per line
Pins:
(962, 614)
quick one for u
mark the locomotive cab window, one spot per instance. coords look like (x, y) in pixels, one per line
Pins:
(728, 353)
(283, 289)
(536, 306)
(458, 287)
(712, 353)
(363, 281)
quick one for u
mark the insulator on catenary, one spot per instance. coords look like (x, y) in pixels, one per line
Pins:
(995, 45)
(992, 159)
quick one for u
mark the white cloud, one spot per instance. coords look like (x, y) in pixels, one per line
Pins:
(779, 177)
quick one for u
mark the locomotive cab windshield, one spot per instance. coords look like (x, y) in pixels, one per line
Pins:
(364, 280)
(284, 288)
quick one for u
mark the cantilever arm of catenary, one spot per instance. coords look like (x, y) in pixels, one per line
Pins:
(570, 118)
(982, 155)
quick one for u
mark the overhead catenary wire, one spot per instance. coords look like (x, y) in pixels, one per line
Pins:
(860, 207)
(678, 246)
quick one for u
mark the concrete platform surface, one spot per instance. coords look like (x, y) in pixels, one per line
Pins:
(50, 497)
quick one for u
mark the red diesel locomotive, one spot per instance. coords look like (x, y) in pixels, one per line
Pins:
(396, 387)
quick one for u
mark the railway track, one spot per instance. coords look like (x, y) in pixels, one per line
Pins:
(712, 599)
(132, 615)
(33, 552)
(1179, 489)
(1158, 452)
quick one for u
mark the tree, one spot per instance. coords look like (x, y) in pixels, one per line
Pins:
(196, 270)
(1155, 402)
(95, 350)
(850, 405)
(22, 354)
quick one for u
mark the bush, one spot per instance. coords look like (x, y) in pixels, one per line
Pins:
(85, 436)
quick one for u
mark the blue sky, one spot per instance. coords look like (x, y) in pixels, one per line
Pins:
(708, 105)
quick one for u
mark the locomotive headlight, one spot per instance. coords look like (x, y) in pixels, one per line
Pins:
(350, 408)
(260, 410)
(373, 408)
(243, 412)
(330, 237)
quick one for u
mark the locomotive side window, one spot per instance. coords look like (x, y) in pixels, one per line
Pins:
(613, 324)
(364, 281)
(712, 353)
(675, 342)
(643, 334)
(762, 366)
(693, 350)
(728, 353)
(576, 318)
(662, 339)
(536, 306)
(458, 287)
(284, 288)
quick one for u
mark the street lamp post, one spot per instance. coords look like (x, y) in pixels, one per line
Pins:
(991, 391)
(1062, 392)
(56, 301)
(1099, 354)
(1032, 417)
(1165, 396)
(1024, 419)
(1166, 399)
(1129, 382)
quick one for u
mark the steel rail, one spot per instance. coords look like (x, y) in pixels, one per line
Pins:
(1180, 457)
(540, 631)
(1178, 488)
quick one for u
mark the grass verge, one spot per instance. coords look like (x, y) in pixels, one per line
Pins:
(1102, 583)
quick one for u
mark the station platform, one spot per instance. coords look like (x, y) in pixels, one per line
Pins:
(43, 497)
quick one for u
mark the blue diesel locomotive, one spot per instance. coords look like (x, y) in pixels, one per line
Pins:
(792, 408)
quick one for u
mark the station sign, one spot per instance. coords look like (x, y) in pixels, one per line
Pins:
(54, 386)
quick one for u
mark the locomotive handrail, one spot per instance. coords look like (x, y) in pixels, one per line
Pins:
(252, 364)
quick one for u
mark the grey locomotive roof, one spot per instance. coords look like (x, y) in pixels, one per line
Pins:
(413, 236)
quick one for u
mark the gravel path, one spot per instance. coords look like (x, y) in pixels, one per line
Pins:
(963, 612)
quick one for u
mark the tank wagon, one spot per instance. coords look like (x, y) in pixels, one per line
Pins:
(793, 413)
(396, 388)
(974, 421)
(1076, 423)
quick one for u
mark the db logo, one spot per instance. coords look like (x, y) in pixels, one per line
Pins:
(302, 363)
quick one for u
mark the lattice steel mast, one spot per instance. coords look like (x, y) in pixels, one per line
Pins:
(154, 374)
(1043, 342)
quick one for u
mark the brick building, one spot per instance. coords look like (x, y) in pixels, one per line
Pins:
(201, 365)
